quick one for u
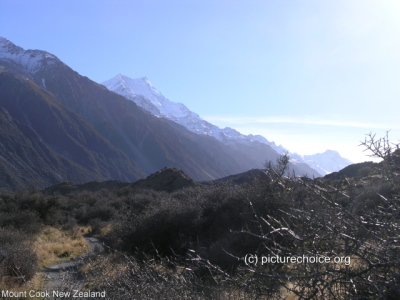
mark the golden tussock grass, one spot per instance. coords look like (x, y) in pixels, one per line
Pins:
(51, 246)
(54, 245)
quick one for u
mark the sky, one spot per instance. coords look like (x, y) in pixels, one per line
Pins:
(310, 75)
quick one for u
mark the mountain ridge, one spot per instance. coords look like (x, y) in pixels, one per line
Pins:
(144, 94)
(129, 143)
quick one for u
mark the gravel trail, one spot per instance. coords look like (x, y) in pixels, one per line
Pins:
(63, 276)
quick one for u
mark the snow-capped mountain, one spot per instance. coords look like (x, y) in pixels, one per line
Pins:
(144, 94)
(58, 125)
(71, 128)
(153, 100)
(35, 63)
(25, 61)
(327, 162)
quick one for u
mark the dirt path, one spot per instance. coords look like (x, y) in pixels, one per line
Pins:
(63, 276)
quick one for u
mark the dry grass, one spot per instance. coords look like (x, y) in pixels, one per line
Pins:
(110, 268)
(104, 231)
(51, 246)
(356, 264)
(54, 245)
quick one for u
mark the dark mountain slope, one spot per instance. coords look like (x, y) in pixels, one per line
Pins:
(47, 143)
(355, 171)
(151, 142)
(26, 162)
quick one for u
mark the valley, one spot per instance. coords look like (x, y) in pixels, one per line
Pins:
(179, 203)
(89, 133)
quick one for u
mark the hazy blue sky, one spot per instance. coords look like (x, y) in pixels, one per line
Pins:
(310, 75)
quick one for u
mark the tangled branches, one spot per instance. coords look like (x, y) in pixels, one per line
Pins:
(361, 247)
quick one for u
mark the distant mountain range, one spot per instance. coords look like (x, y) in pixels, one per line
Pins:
(325, 163)
(56, 125)
(144, 94)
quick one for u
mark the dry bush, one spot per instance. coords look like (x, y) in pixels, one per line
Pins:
(127, 277)
(325, 225)
(17, 258)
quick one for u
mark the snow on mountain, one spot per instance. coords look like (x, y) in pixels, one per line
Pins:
(156, 103)
(143, 93)
(327, 162)
(31, 60)
(259, 138)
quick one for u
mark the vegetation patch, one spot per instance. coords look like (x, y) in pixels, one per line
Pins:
(218, 240)
(53, 245)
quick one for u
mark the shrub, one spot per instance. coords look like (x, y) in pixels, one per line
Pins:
(17, 258)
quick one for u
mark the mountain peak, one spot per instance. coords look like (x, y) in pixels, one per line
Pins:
(130, 88)
(3, 40)
(127, 82)
(120, 77)
(331, 152)
(6, 46)
(327, 162)
(27, 61)
(123, 77)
